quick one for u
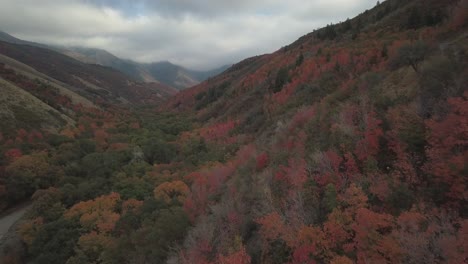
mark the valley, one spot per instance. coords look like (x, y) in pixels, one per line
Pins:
(347, 146)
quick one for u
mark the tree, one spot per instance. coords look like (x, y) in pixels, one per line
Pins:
(281, 79)
(55, 241)
(299, 60)
(158, 151)
(154, 240)
(330, 196)
(262, 161)
(29, 173)
(411, 54)
(169, 191)
(372, 238)
(96, 215)
(447, 152)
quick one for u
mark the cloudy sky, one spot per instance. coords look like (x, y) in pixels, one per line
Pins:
(199, 34)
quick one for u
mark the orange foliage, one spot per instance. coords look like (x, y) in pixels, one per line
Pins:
(272, 226)
(131, 205)
(172, 190)
(29, 229)
(98, 214)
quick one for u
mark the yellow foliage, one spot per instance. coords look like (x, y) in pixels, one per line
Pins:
(34, 165)
(98, 214)
(170, 190)
(29, 229)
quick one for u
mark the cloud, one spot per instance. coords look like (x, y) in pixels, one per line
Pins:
(197, 34)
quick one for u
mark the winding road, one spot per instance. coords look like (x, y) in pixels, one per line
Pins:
(9, 218)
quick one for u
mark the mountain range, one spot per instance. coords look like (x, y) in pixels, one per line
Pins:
(165, 72)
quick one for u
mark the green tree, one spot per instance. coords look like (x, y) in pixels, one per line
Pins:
(281, 79)
(412, 55)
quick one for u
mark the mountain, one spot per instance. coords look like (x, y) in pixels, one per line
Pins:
(352, 137)
(347, 146)
(164, 72)
(94, 81)
(42, 89)
(9, 38)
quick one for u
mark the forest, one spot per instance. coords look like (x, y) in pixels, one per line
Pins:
(347, 146)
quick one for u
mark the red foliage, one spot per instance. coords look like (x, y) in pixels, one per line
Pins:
(448, 148)
(204, 184)
(329, 169)
(13, 154)
(197, 254)
(262, 161)
(301, 118)
(302, 255)
(21, 133)
(272, 226)
(403, 169)
(217, 131)
(293, 176)
(342, 57)
(244, 154)
(368, 146)
(34, 136)
(371, 239)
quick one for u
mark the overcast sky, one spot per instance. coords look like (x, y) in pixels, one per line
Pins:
(198, 34)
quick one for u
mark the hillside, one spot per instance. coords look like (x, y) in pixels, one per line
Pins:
(347, 146)
(163, 72)
(160, 72)
(45, 90)
(92, 81)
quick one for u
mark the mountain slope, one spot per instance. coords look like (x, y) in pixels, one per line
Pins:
(19, 109)
(344, 145)
(91, 81)
(163, 72)
(43, 90)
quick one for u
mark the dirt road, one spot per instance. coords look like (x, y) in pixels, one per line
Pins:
(8, 219)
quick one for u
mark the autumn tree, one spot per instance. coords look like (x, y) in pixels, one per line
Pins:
(447, 151)
(169, 191)
(29, 173)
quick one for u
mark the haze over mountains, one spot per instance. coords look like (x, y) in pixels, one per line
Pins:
(164, 72)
